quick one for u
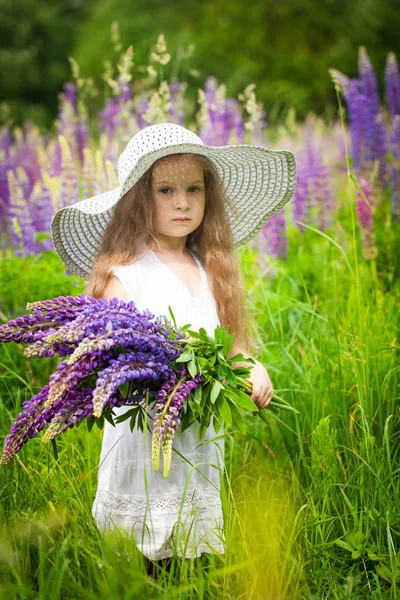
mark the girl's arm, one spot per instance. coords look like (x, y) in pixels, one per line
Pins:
(114, 289)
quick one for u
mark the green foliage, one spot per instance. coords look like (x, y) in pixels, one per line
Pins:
(25, 280)
(34, 55)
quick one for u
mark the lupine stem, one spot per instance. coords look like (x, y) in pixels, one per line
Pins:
(54, 444)
(283, 404)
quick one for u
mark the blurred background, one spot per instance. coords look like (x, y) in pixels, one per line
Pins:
(285, 48)
(311, 499)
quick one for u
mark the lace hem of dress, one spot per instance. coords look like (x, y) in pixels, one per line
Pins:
(137, 505)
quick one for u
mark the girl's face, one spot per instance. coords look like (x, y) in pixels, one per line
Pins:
(178, 190)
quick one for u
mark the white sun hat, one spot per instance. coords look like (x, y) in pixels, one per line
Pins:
(258, 182)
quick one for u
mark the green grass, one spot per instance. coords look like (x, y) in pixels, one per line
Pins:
(311, 501)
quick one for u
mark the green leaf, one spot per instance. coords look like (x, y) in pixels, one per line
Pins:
(222, 371)
(192, 368)
(172, 315)
(241, 398)
(124, 389)
(356, 539)
(203, 333)
(229, 344)
(231, 378)
(237, 416)
(224, 409)
(216, 388)
(194, 334)
(237, 358)
(384, 572)
(125, 416)
(100, 422)
(218, 335)
(216, 424)
(185, 356)
(108, 417)
(197, 395)
(205, 394)
(203, 362)
(205, 422)
(343, 544)
(221, 356)
(90, 422)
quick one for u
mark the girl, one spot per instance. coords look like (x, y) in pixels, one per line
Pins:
(164, 238)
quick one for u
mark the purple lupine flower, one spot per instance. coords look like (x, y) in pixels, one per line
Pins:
(170, 401)
(109, 117)
(365, 220)
(354, 101)
(381, 146)
(313, 196)
(5, 145)
(92, 334)
(234, 127)
(72, 123)
(301, 193)
(273, 241)
(77, 406)
(392, 84)
(20, 218)
(368, 80)
(394, 146)
(60, 416)
(67, 112)
(223, 116)
(82, 136)
(69, 179)
(141, 105)
(130, 366)
(367, 127)
(42, 210)
(89, 187)
(177, 112)
(26, 425)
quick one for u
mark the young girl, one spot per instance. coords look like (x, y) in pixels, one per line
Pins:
(166, 237)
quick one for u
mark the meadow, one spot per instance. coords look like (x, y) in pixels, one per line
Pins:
(311, 500)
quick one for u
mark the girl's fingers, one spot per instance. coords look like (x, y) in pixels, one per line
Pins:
(262, 397)
(266, 400)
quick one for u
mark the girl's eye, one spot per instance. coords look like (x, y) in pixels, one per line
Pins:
(194, 187)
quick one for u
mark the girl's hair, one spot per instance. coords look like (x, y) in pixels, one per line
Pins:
(131, 227)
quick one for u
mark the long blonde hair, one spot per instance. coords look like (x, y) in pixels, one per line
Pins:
(131, 227)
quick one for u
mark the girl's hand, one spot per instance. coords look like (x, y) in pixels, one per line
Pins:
(262, 386)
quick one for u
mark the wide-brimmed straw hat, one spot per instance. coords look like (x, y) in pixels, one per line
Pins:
(258, 182)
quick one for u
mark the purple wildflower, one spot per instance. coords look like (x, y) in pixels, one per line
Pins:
(110, 340)
(366, 222)
(170, 401)
(392, 83)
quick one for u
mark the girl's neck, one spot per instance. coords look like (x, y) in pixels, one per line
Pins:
(177, 249)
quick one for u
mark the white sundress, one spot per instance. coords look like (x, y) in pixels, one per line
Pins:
(182, 513)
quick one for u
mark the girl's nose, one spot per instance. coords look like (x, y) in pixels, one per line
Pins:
(181, 199)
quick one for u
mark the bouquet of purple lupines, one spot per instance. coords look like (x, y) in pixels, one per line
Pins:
(117, 355)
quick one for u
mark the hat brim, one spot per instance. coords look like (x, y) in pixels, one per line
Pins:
(258, 181)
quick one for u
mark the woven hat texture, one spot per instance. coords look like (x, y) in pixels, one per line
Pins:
(258, 182)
